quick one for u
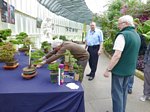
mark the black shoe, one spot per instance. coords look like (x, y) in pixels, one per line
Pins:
(88, 74)
(130, 91)
(91, 78)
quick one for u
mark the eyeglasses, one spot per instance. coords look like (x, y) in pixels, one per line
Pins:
(121, 23)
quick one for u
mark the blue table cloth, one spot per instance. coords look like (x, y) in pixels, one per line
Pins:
(37, 94)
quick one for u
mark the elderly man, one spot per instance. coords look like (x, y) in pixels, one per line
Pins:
(60, 48)
(123, 62)
(94, 42)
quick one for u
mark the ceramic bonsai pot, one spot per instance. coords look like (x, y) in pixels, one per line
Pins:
(29, 72)
(23, 49)
(54, 76)
(11, 63)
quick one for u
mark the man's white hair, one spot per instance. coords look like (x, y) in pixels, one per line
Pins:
(128, 19)
(56, 43)
(93, 23)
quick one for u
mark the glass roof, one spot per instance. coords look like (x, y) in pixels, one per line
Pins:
(75, 10)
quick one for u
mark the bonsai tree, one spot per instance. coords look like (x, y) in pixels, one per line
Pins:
(46, 46)
(36, 55)
(4, 34)
(22, 38)
(79, 70)
(67, 55)
(55, 37)
(53, 67)
(62, 37)
(54, 72)
(7, 52)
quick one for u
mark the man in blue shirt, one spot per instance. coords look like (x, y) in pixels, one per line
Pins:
(94, 42)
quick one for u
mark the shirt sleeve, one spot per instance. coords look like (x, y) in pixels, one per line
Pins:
(119, 43)
(56, 56)
(101, 34)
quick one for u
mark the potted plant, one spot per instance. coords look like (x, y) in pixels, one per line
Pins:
(30, 71)
(53, 72)
(35, 56)
(7, 55)
(67, 55)
(4, 34)
(46, 46)
(62, 37)
(78, 73)
(23, 39)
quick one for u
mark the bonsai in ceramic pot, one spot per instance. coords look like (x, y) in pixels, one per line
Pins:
(23, 39)
(30, 71)
(35, 57)
(7, 55)
(53, 72)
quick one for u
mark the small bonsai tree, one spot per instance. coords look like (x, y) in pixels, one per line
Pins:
(53, 67)
(62, 37)
(46, 46)
(7, 52)
(36, 55)
(4, 34)
(55, 37)
(79, 70)
(22, 38)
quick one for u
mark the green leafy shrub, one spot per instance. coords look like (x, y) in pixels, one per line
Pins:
(46, 45)
(7, 52)
(37, 54)
(62, 37)
(55, 37)
(108, 45)
(4, 34)
(53, 67)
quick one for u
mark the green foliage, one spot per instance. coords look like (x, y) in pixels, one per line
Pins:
(79, 70)
(72, 60)
(62, 37)
(4, 34)
(144, 29)
(53, 67)
(46, 45)
(22, 38)
(7, 52)
(108, 21)
(55, 37)
(37, 54)
(108, 45)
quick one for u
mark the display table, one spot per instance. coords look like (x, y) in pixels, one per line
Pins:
(37, 94)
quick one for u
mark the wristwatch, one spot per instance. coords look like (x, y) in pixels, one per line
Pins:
(108, 70)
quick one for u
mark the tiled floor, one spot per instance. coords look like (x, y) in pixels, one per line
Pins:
(97, 92)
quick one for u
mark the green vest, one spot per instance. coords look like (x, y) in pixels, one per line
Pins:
(127, 63)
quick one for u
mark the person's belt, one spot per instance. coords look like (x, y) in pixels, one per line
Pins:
(94, 46)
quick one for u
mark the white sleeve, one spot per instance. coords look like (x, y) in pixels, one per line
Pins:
(119, 43)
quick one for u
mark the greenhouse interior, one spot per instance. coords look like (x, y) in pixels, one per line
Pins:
(74, 55)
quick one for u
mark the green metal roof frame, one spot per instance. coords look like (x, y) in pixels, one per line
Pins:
(75, 10)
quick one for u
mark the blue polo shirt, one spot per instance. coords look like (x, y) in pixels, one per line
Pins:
(94, 37)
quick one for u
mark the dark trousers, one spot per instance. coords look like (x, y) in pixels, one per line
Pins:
(119, 93)
(93, 51)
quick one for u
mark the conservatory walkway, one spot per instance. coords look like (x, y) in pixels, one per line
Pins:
(98, 94)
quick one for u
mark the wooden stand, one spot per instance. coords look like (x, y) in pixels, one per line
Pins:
(11, 67)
